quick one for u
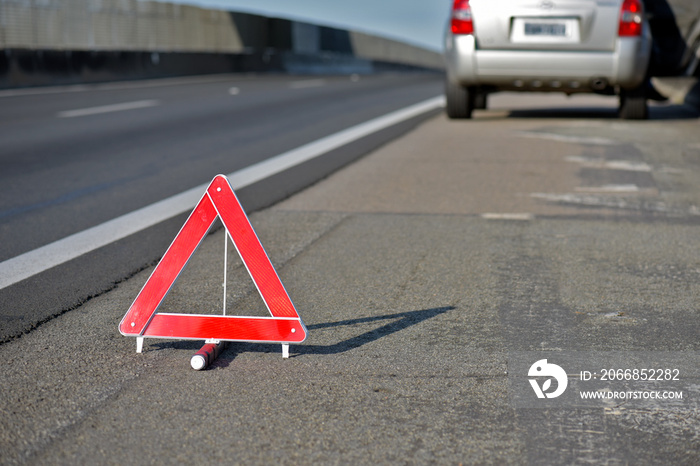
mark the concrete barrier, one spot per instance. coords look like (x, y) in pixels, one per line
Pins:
(65, 41)
(391, 51)
(124, 25)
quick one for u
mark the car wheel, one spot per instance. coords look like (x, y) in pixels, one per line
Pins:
(460, 100)
(633, 104)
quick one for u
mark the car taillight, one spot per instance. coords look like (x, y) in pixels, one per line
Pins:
(631, 18)
(461, 21)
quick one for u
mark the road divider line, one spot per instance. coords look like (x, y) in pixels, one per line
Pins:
(508, 216)
(609, 188)
(307, 83)
(625, 165)
(586, 140)
(46, 257)
(107, 108)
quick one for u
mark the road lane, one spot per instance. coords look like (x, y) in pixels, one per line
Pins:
(33, 262)
(88, 170)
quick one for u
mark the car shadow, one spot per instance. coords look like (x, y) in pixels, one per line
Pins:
(656, 112)
(569, 112)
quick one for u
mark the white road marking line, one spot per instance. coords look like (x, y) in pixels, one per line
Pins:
(582, 199)
(234, 91)
(627, 165)
(596, 141)
(107, 108)
(510, 216)
(609, 188)
(611, 202)
(307, 83)
(38, 260)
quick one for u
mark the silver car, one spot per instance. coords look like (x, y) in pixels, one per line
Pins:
(569, 46)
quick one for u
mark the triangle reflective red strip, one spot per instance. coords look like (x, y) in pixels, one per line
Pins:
(229, 328)
(250, 249)
(219, 201)
(169, 268)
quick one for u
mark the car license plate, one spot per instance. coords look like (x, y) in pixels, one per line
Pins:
(545, 29)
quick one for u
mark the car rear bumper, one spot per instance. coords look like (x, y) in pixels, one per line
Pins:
(563, 71)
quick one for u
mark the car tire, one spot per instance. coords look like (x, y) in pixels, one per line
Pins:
(633, 104)
(460, 100)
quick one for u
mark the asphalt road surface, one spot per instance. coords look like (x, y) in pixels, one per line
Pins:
(74, 158)
(427, 273)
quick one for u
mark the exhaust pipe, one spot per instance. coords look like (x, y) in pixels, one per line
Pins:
(599, 84)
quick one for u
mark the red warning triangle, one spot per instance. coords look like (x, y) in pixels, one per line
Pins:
(284, 325)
